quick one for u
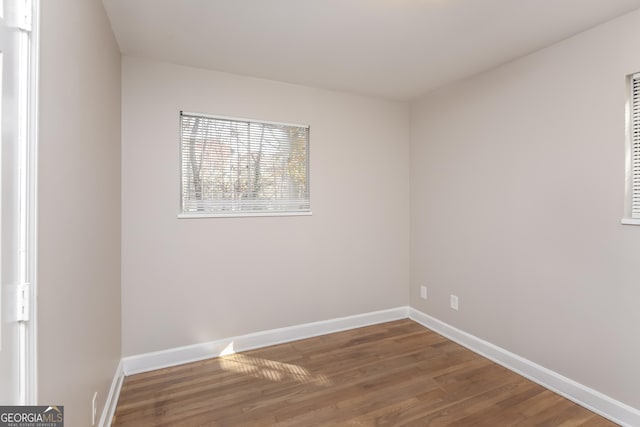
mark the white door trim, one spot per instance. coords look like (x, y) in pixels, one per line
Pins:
(31, 211)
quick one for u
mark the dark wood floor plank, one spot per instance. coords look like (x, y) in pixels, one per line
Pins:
(392, 374)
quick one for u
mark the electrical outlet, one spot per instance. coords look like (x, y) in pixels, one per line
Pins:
(454, 302)
(94, 409)
(423, 292)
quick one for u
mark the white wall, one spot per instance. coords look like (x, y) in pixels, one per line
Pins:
(517, 191)
(187, 281)
(79, 207)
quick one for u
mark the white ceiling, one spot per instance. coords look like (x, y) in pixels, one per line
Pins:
(395, 49)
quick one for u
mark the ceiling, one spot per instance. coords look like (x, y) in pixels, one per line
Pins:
(396, 49)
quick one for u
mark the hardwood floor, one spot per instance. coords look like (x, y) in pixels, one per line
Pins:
(394, 374)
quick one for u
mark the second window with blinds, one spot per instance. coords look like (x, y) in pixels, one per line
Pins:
(242, 167)
(632, 209)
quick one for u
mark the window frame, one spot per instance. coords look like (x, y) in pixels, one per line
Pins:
(630, 156)
(239, 214)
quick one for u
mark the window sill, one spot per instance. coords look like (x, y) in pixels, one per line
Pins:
(241, 214)
(630, 221)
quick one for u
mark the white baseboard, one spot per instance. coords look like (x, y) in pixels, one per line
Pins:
(192, 353)
(591, 399)
(110, 404)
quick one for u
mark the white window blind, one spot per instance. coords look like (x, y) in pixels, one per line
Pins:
(634, 146)
(235, 166)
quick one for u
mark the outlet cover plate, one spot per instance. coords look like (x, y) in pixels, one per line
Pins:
(454, 302)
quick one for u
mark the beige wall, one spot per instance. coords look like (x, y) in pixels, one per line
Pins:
(188, 281)
(517, 191)
(79, 207)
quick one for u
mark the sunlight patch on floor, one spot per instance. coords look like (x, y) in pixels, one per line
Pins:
(271, 370)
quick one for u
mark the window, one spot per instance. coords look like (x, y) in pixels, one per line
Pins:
(633, 152)
(238, 167)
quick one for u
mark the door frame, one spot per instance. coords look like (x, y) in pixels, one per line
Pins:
(24, 17)
(30, 392)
